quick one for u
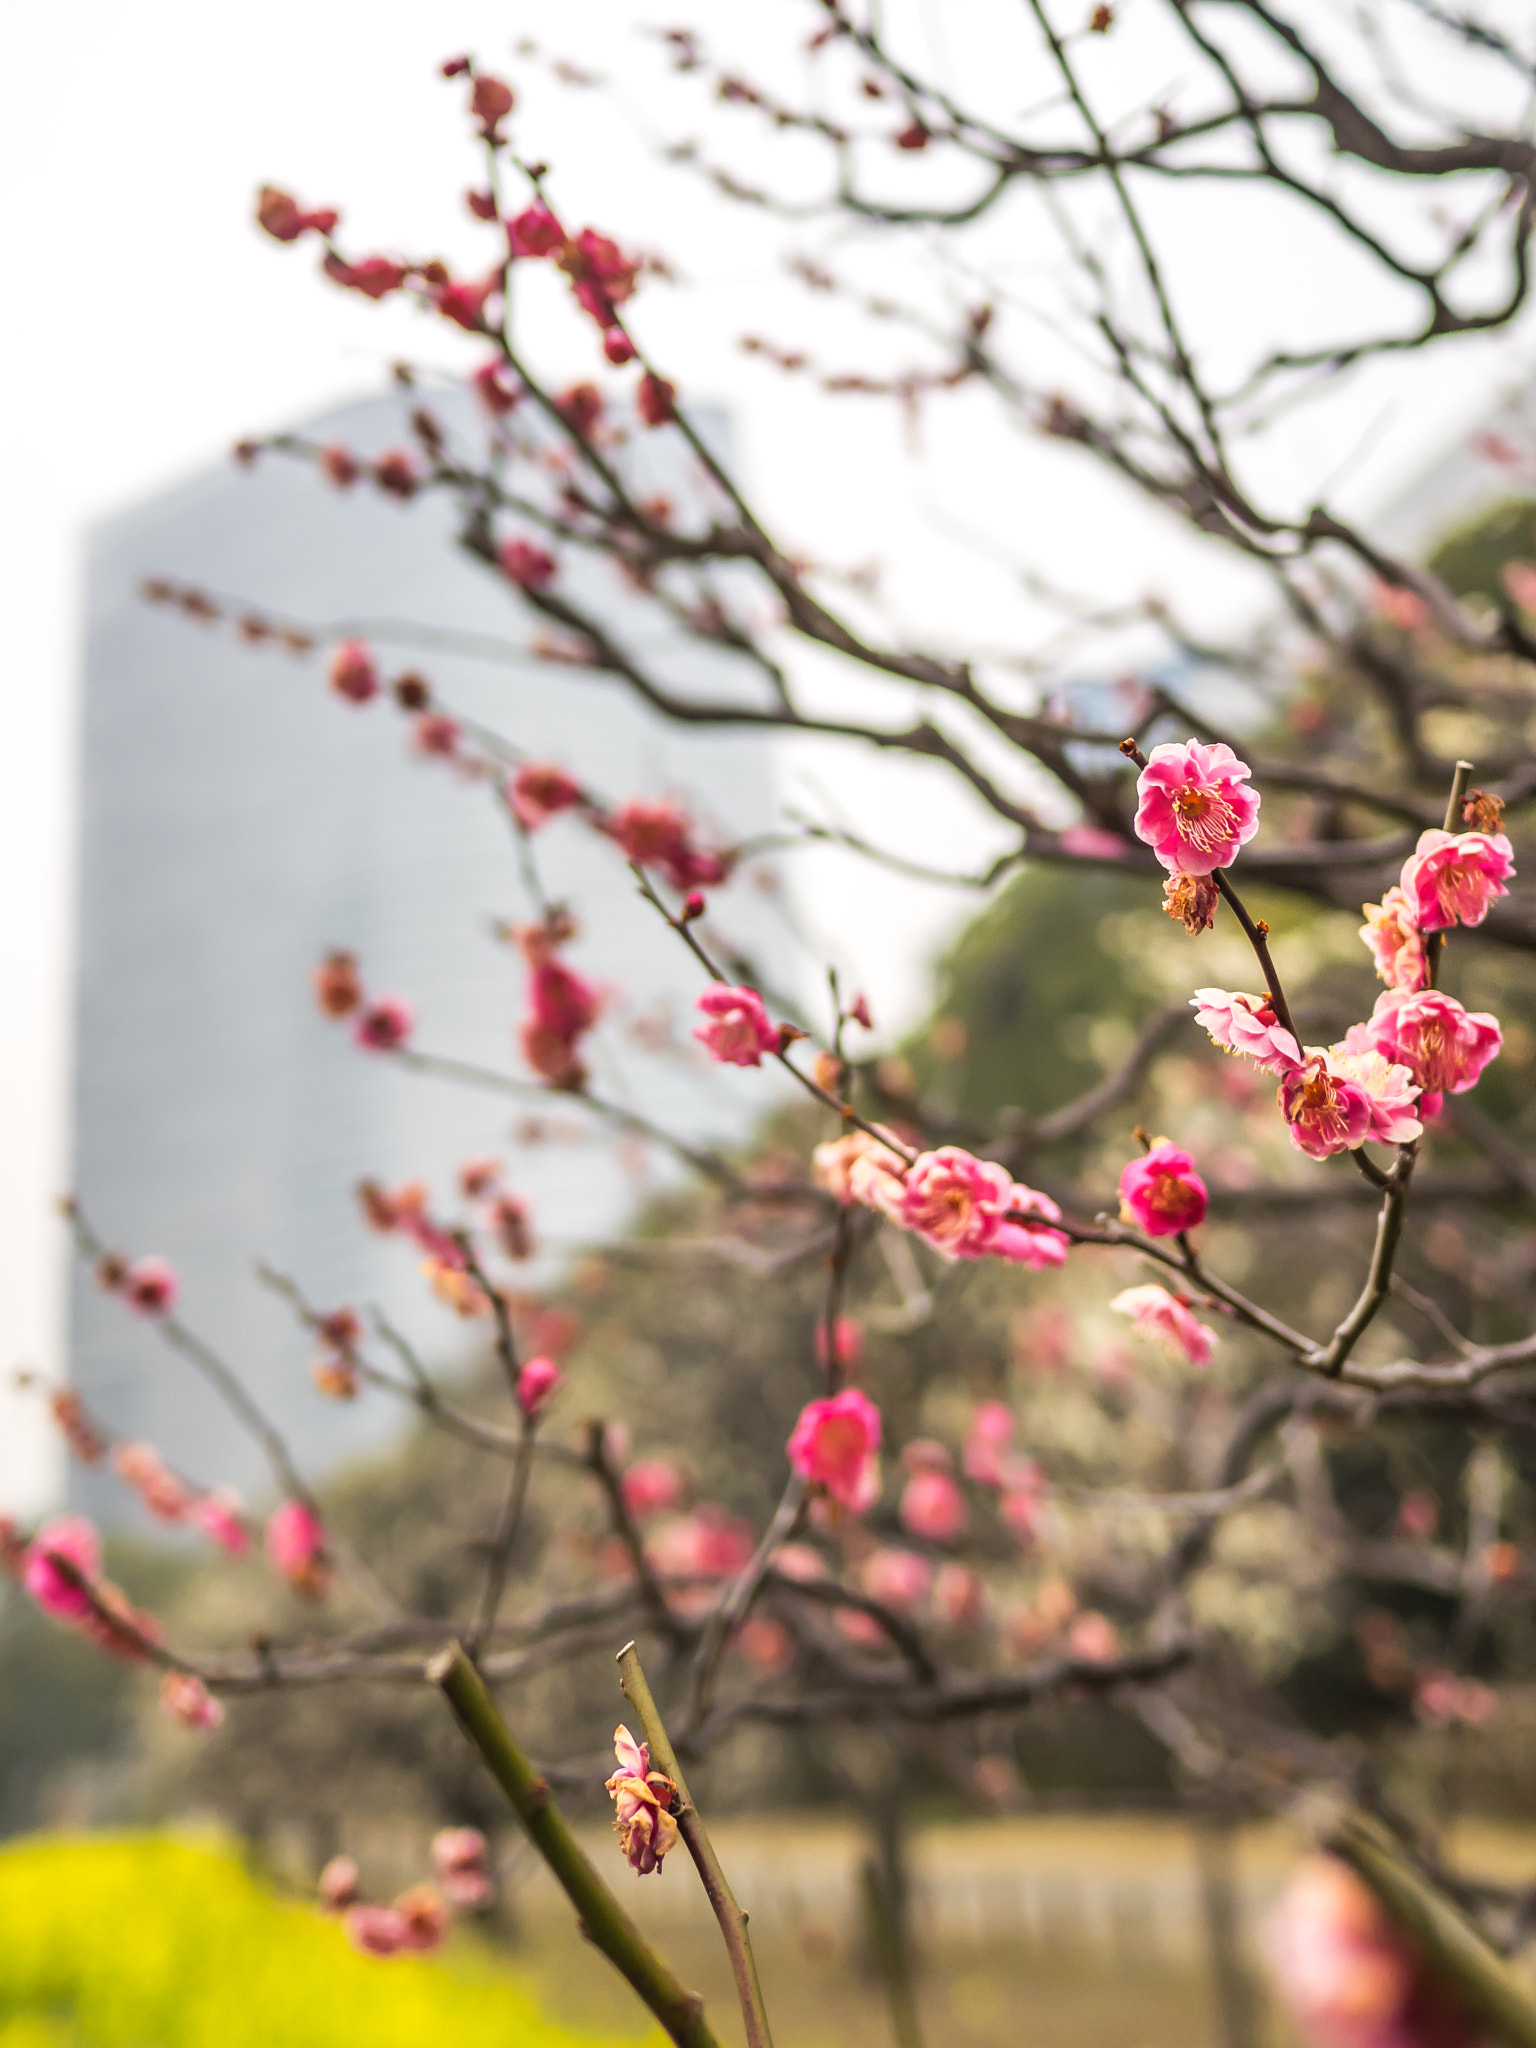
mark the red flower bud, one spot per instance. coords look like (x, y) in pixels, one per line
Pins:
(395, 474)
(535, 232)
(528, 565)
(656, 400)
(481, 204)
(491, 102)
(618, 347)
(338, 985)
(338, 465)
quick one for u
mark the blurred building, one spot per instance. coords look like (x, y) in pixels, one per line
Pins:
(238, 820)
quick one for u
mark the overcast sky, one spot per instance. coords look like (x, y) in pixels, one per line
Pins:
(148, 325)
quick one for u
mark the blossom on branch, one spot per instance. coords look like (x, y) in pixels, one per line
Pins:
(461, 1865)
(527, 565)
(1391, 1089)
(642, 1802)
(1165, 1318)
(353, 673)
(539, 791)
(1326, 1109)
(652, 1486)
(1392, 932)
(1193, 810)
(375, 277)
(187, 1700)
(932, 1506)
(1443, 1046)
(1162, 1191)
(656, 400)
(385, 1025)
(1452, 877)
(835, 1443)
(1246, 1025)
(535, 1383)
(987, 1441)
(535, 232)
(150, 1287)
(280, 215)
(72, 1539)
(736, 1030)
(296, 1548)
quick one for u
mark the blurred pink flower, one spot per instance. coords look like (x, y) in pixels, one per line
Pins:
(1162, 1316)
(384, 1025)
(933, 1506)
(535, 1383)
(535, 232)
(835, 1443)
(1093, 1639)
(708, 1544)
(150, 1287)
(74, 1539)
(652, 1486)
(1452, 877)
(1162, 1191)
(539, 791)
(141, 1467)
(353, 673)
(526, 564)
(338, 1885)
(987, 1441)
(295, 1544)
(859, 1168)
(187, 1700)
(1193, 810)
(896, 1578)
(955, 1202)
(1023, 1237)
(376, 1930)
(461, 1865)
(736, 1030)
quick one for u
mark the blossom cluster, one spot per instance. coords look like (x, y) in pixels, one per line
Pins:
(1389, 1074)
(417, 1921)
(964, 1207)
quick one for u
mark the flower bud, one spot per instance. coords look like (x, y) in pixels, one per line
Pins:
(535, 1383)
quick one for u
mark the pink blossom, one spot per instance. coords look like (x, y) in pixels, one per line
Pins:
(1327, 1111)
(1092, 842)
(561, 1001)
(954, 1201)
(958, 1594)
(652, 1486)
(285, 220)
(187, 1700)
(736, 1030)
(396, 475)
(1391, 930)
(1162, 1191)
(141, 1467)
(384, 1025)
(1452, 877)
(338, 465)
(765, 1643)
(1443, 1699)
(1093, 1639)
(601, 275)
(375, 276)
(656, 400)
(376, 1930)
(1443, 1046)
(425, 1915)
(1022, 1238)
(708, 1544)
(150, 1287)
(1246, 1025)
(658, 835)
(798, 1561)
(1192, 808)
(338, 1884)
(897, 1578)
(835, 1443)
(461, 1865)
(1023, 1490)
(528, 565)
(847, 1342)
(535, 1383)
(493, 391)
(987, 1441)
(535, 232)
(1163, 1317)
(539, 791)
(220, 1516)
(933, 1506)
(74, 1540)
(1418, 1514)
(464, 304)
(490, 101)
(1350, 1979)
(859, 1168)
(353, 673)
(1390, 1088)
(296, 1547)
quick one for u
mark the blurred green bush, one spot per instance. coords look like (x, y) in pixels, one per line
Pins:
(138, 1941)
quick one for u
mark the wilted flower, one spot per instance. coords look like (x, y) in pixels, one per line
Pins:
(642, 1800)
(1162, 1192)
(1161, 1315)
(1191, 900)
(1193, 810)
(835, 1443)
(376, 1930)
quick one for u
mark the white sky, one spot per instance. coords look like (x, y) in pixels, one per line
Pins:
(147, 325)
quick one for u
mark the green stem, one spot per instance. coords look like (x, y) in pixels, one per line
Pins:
(1448, 1941)
(690, 1825)
(602, 1919)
